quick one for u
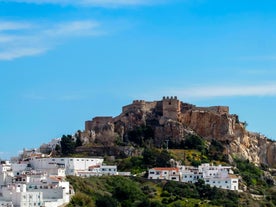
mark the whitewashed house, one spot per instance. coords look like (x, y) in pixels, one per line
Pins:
(20, 197)
(4, 203)
(164, 173)
(108, 170)
(231, 182)
(219, 176)
(189, 174)
(6, 173)
(71, 165)
(99, 170)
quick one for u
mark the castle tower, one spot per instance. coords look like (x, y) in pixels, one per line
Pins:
(171, 107)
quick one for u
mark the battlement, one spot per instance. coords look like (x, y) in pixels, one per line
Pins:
(171, 107)
(169, 98)
(139, 102)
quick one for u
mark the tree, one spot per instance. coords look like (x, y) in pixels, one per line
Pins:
(149, 157)
(194, 142)
(78, 138)
(216, 151)
(106, 201)
(67, 144)
(163, 159)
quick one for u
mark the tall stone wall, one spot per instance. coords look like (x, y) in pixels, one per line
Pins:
(136, 105)
(171, 107)
(97, 122)
(214, 109)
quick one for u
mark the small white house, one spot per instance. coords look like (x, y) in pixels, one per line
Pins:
(108, 169)
(231, 182)
(164, 173)
(19, 196)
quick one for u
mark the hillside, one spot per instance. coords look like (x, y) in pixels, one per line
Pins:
(164, 133)
(118, 191)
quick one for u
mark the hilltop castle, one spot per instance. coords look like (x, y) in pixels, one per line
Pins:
(168, 108)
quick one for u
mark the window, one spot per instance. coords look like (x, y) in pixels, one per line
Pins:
(234, 181)
(226, 181)
(151, 172)
(185, 176)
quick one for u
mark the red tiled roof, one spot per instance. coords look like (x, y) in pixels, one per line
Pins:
(166, 168)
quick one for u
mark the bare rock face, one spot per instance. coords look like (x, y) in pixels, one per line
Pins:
(212, 125)
(271, 152)
(171, 119)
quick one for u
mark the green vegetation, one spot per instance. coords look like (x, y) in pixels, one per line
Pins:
(151, 157)
(253, 176)
(135, 192)
(67, 144)
(140, 135)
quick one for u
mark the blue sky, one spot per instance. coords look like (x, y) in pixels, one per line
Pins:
(63, 62)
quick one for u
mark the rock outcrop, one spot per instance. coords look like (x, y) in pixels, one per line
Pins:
(171, 119)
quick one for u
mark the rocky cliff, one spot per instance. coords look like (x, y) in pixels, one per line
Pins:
(170, 120)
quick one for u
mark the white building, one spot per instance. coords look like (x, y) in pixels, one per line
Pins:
(219, 176)
(190, 174)
(18, 168)
(4, 203)
(20, 197)
(164, 173)
(231, 182)
(71, 165)
(99, 170)
(6, 173)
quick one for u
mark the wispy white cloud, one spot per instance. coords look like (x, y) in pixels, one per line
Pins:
(20, 52)
(73, 28)
(9, 25)
(97, 3)
(225, 91)
(31, 39)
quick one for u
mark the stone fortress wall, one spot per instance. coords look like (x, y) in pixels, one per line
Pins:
(168, 108)
(98, 121)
